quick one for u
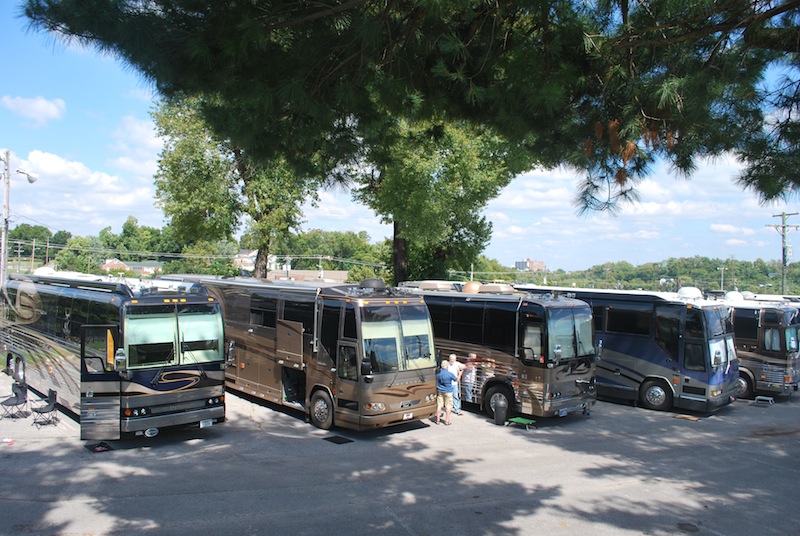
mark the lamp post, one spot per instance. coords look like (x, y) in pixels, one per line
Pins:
(6, 158)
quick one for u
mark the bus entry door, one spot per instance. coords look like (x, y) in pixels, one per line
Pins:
(100, 383)
(346, 387)
(691, 378)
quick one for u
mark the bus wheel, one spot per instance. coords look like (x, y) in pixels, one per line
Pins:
(493, 395)
(655, 396)
(745, 386)
(321, 410)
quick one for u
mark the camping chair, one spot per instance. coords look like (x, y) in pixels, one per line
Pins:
(47, 414)
(13, 405)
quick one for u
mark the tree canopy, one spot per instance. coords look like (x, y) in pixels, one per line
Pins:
(606, 86)
(209, 186)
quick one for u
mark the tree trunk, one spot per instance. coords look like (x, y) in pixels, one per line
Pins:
(260, 269)
(399, 255)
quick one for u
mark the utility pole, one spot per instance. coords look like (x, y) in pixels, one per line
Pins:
(783, 228)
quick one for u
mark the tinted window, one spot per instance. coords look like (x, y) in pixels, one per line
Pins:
(300, 311)
(329, 333)
(745, 323)
(694, 323)
(349, 321)
(440, 316)
(632, 318)
(467, 321)
(668, 328)
(771, 317)
(598, 314)
(500, 326)
(693, 358)
(263, 309)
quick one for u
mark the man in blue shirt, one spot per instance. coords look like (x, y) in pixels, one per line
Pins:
(444, 393)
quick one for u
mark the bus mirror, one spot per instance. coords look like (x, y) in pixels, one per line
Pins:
(230, 354)
(121, 364)
(556, 356)
(120, 361)
(366, 364)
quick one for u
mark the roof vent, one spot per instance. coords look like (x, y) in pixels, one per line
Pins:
(373, 283)
(690, 293)
(473, 287)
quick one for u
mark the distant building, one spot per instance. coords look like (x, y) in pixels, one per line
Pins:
(144, 269)
(529, 265)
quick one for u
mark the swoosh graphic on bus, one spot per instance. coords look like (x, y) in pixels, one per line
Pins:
(177, 380)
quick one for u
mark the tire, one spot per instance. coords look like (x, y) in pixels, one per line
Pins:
(654, 395)
(745, 386)
(492, 395)
(321, 410)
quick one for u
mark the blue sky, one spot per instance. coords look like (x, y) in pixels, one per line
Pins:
(81, 122)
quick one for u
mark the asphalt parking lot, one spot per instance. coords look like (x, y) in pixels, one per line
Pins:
(623, 470)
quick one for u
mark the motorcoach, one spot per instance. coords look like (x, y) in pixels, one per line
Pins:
(124, 358)
(662, 349)
(535, 354)
(354, 356)
(766, 336)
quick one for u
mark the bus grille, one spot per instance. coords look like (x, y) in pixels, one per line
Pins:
(773, 374)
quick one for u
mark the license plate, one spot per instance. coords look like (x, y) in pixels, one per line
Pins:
(206, 422)
(408, 416)
(563, 413)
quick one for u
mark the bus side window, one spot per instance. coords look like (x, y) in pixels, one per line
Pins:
(668, 328)
(772, 340)
(347, 366)
(94, 365)
(532, 342)
(693, 357)
(694, 324)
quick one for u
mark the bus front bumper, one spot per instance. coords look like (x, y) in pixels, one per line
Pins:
(362, 422)
(200, 417)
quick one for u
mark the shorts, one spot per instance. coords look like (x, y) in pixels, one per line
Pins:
(444, 400)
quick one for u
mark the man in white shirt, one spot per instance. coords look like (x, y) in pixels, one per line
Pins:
(456, 368)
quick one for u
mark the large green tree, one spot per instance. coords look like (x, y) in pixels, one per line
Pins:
(208, 186)
(607, 86)
(431, 180)
(28, 236)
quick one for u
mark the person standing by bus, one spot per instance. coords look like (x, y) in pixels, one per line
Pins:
(457, 368)
(444, 393)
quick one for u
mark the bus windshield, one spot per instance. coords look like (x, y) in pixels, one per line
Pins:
(570, 332)
(151, 333)
(396, 338)
(718, 321)
(200, 332)
(722, 352)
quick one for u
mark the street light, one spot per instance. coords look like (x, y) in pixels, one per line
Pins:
(7, 183)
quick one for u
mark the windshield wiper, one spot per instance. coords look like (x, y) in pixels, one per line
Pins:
(167, 361)
(190, 353)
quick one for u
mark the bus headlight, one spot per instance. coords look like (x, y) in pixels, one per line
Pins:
(137, 412)
(430, 398)
(715, 392)
(375, 406)
(215, 401)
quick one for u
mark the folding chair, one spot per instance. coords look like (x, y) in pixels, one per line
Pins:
(47, 414)
(13, 406)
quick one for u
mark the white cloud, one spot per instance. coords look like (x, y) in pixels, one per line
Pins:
(137, 145)
(38, 109)
(724, 228)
